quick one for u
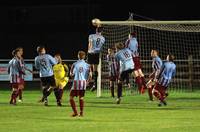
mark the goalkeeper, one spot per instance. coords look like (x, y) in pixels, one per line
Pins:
(61, 77)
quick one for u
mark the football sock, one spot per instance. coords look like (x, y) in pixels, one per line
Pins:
(20, 94)
(119, 90)
(81, 101)
(73, 105)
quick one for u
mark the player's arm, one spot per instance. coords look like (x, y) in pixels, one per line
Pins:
(37, 65)
(72, 71)
(90, 42)
(9, 67)
(174, 72)
(66, 70)
(52, 60)
(90, 75)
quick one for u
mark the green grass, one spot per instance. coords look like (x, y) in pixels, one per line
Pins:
(134, 114)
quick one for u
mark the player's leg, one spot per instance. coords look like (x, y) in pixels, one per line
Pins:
(95, 77)
(112, 87)
(138, 81)
(150, 85)
(72, 102)
(20, 91)
(81, 101)
(119, 86)
(14, 93)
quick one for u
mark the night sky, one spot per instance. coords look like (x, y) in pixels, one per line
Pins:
(64, 26)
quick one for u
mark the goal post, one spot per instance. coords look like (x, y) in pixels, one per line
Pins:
(181, 38)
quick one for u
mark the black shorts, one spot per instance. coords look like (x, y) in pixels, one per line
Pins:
(48, 81)
(125, 74)
(93, 58)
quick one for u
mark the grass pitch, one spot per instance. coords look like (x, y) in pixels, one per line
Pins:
(134, 114)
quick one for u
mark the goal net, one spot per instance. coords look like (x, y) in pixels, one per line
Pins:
(180, 38)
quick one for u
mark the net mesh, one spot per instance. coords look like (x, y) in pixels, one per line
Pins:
(182, 40)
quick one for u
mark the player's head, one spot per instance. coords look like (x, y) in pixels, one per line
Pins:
(81, 55)
(154, 53)
(99, 29)
(21, 50)
(170, 57)
(119, 46)
(16, 53)
(58, 57)
(41, 49)
(132, 35)
(110, 51)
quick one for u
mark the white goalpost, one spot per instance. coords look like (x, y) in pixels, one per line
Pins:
(181, 38)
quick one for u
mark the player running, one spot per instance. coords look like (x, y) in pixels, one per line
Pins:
(113, 69)
(132, 44)
(44, 63)
(156, 65)
(95, 44)
(124, 58)
(167, 71)
(61, 77)
(81, 72)
(15, 72)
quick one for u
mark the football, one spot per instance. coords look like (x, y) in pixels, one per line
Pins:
(96, 22)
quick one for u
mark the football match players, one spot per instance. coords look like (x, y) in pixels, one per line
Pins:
(81, 72)
(15, 72)
(61, 77)
(156, 65)
(113, 69)
(167, 71)
(124, 58)
(44, 63)
(132, 44)
(95, 44)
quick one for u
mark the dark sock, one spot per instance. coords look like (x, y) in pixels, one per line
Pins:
(14, 96)
(20, 94)
(56, 93)
(73, 105)
(60, 94)
(138, 81)
(119, 90)
(95, 78)
(144, 82)
(150, 93)
(112, 91)
(81, 101)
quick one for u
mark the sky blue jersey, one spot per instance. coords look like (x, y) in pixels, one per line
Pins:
(44, 64)
(132, 44)
(124, 58)
(97, 43)
(80, 70)
(168, 70)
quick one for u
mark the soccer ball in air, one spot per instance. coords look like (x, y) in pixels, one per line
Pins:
(96, 22)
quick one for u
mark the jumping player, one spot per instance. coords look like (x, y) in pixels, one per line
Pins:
(156, 65)
(44, 63)
(61, 77)
(113, 69)
(167, 71)
(81, 72)
(15, 72)
(124, 58)
(95, 44)
(132, 44)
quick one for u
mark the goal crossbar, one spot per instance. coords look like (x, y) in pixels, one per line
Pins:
(132, 22)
